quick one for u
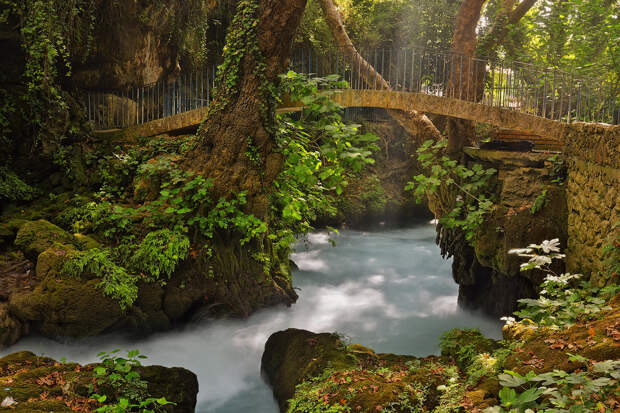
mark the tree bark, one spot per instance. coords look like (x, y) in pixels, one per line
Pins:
(460, 131)
(414, 123)
(242, 117)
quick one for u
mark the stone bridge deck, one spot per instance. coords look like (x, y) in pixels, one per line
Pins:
(406, 101)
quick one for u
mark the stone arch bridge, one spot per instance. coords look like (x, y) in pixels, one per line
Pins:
(510, 95)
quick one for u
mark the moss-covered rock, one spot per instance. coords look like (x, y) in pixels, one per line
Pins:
(11, 329)
(85, 242)
(51, 261)
(318, 372)
(65, 307)
(40, 384)
(34, 237)
(293, 355)
(178, 385)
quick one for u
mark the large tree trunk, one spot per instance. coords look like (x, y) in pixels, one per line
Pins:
(414, 123)
(242, 113)
(460, 131)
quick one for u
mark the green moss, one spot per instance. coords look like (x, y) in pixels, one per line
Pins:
(85, 242)
(66, 307)
(52, 260)
(34, 237)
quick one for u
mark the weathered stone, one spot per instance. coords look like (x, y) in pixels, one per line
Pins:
(593, 153)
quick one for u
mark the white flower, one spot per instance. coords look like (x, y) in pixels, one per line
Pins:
(520, 251)
(8, 402)
(550, 246)
(539, 260)
(508, 320)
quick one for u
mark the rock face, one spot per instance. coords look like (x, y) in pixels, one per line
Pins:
(489, 278)
(128, 49)
(41, 384)
(580, 207)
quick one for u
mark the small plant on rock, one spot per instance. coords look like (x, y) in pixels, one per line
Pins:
(127, 391)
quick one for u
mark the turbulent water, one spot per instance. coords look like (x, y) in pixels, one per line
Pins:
(389, 290)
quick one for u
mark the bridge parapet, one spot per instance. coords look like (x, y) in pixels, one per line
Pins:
(512, 86)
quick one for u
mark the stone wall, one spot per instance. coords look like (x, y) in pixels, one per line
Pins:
(593, 195)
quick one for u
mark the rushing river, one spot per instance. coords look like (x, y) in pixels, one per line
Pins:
(389, 290)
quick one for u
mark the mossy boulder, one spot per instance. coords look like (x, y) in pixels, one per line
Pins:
(318, 372)
(293, 355)
(41, 384)
(34, 237)
(177, 384)
(86, 242)
(51, 261)
(66, 308)
(11, 329)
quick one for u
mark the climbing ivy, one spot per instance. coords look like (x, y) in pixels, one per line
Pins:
(52, 33)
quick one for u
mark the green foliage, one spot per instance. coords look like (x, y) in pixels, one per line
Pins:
(160, 252)
(540, 202)
(559, 304)
(559, 391)
(412, 401)
(115, 282)
(464, 345)
(558, 169)
(451, 393)
(374, 23)
(319, 149)
(129, 390)
(53, 33)
(12, 188)
(473, 202)
(576, 36)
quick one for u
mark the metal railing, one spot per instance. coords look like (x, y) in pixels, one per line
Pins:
(549, 93)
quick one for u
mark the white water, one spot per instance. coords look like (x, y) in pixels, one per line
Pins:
(389, 290)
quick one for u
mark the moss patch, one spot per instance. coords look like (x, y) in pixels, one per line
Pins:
(34, 237)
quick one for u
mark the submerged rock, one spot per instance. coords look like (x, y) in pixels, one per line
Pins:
(41, 384)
